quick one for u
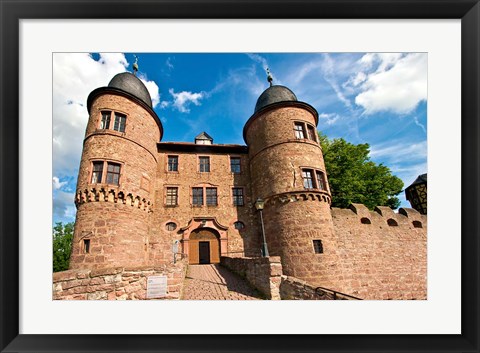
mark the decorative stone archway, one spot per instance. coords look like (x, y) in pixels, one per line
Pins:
(193, 228)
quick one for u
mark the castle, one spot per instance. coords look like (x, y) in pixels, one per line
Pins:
(143, 202)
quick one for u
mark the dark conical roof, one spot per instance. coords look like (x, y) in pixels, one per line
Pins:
(275, 94)
(420, 180)
(131, 84)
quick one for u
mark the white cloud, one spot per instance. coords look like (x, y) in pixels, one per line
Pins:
(397, 152)
(415, 119)
(330, 70)
(328, 119)
(63, 206)
(398, 84)
(259, 59)
(152, 89)
(182, 100)
(57, 184)
(74, 77)
(169, 63)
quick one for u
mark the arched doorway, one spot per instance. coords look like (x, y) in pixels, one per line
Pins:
(204, 246)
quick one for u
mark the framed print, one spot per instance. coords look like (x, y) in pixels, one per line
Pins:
(38, 36)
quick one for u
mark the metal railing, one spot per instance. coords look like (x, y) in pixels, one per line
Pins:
(334, 293)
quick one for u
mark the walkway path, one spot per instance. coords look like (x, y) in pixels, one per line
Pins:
(214, 282)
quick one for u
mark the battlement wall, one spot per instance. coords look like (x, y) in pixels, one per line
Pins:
(381, 254)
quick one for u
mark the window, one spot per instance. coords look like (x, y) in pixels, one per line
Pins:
(322, 184)
(119, 123)
(314, 179)
(239, 225)
(170, 226)
(113, 173)
(171, 197)
(308, 181)
(211, 196)
(235, 166)
(105, 122)
(197, 198)
(86, 246)
(318, 246)
(299, 130)
(97, 172)
(311, 133)
(173, 163)
(237, 194)
(204, 164)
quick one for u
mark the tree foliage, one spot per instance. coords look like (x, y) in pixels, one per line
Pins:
(354, 178)
(62, 245)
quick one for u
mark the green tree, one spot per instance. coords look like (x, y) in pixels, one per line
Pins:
(353, 177)
(62, 245)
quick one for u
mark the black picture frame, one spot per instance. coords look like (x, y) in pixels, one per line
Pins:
(12, 11)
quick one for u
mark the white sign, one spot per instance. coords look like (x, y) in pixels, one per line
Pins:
(156, 287)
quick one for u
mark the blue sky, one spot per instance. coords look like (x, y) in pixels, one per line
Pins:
(374, 98)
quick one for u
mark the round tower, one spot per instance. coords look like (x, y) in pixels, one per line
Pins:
(288, 172)
(116, 178)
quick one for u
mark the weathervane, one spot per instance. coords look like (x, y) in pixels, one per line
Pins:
(135, 65)
(269, 77)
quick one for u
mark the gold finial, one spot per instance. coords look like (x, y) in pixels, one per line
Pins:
(135, 65)
(269, 77)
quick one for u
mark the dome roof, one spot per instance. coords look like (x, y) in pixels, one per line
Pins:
(274, 94)
(130, 83)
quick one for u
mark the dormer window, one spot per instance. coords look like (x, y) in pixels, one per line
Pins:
(203, 139)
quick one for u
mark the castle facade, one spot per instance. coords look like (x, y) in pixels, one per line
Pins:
(141, 201)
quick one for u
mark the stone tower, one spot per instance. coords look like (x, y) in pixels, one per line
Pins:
(288, 172)
(116, 178)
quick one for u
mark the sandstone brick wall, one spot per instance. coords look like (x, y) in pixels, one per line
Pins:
(291, 227)
(263, 273)
(293, 216)
(378, 260)
(115, 283)
(237, 242)
(118, 235)
(276, 155)
(115, 218)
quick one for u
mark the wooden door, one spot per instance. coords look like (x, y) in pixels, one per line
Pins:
(209, 252)
(204, 252)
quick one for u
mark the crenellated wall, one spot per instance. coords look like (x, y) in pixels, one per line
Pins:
(380, 254)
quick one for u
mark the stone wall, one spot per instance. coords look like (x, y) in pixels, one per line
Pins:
(116, 283)
(380, 254)
(263, 273)
(112, 224)
(295, 289)
(186, 216)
